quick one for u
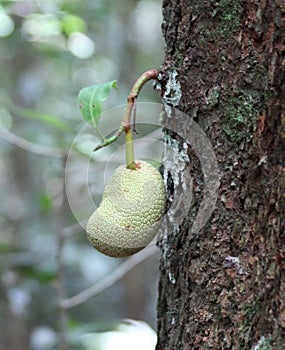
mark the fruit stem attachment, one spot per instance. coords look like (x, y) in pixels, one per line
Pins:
(131, 111)
(130, 157)
(126, 123)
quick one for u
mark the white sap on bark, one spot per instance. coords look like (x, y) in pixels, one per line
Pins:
(175, 159)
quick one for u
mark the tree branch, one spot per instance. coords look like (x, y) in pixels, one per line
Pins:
(108, 281)
(30, 146)
(60, 288)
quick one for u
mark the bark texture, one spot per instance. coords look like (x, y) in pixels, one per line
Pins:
(223, 287)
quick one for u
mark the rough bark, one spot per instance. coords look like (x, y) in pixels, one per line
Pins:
(223, 286)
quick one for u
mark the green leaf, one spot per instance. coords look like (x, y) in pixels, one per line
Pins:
(71, 24)
(44, 117)
(35, 272)
(45, 203)
(5, 248)
(91, 100)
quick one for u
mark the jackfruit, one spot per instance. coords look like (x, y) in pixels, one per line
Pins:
(130, 212)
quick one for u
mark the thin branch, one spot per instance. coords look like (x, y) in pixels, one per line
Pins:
(145, 77)
(114, 137)
(108, 281)
(30, 146)
(62, 313)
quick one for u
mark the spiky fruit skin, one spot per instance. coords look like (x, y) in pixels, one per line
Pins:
(129, 215)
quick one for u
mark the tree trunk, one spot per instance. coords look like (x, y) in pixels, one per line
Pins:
(222, 283)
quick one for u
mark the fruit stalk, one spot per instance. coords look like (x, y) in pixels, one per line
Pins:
(131, 111)
(126, 123)
(130, 157)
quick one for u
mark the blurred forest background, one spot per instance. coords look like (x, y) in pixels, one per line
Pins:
(49, 50)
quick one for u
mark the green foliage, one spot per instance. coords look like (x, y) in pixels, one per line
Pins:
(91, 100)
(42, 276)
(44, 117)
(45, 203)
(5, 248)
(71, 24)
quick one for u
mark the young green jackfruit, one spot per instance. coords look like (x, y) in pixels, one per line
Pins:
(129, 215)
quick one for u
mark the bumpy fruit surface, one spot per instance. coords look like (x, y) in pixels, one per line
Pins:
(129, 215)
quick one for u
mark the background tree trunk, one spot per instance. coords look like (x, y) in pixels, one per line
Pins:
(223, 286)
